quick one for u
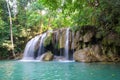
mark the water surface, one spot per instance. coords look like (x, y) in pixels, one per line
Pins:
(17, 70)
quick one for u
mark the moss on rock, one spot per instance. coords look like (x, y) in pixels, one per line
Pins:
(48, 56)
(48, 39)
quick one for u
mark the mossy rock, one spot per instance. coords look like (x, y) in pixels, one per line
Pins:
(88, 36)
(62, 38)
(99, 35)
(57, 46)
(48, 39)
(111, 38)
(48, 56)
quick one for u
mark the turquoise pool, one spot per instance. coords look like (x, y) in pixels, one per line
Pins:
(17, 70)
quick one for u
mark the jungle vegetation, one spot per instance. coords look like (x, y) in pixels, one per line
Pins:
(23, 19)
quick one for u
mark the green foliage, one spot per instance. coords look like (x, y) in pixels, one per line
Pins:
(110, 15)
(32, 19)
(42, 15)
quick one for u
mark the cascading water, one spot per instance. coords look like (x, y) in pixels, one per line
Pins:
(30, 48)
(41, 47)
(73, 41)
(66, 52)
(56, 42)
(35, 47)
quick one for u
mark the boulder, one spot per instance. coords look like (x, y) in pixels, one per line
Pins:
(84, 55)
(48, 56)
(97, 51)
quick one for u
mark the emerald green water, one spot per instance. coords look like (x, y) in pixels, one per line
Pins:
(17, 70)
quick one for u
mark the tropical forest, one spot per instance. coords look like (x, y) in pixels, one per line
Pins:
(59, 39)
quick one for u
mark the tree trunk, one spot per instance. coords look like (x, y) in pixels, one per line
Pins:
(11, 34)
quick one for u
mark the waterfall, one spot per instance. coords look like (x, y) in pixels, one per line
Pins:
(35, 47)
(56, 43)
(30, 49)
(73, 41)
(66, 52)
(41, 47)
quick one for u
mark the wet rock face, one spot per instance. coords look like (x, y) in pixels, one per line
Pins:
(62, 38)
(94, 54)
(88, 36)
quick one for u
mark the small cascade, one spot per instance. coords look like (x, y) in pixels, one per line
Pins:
(30, 48)
(60, 42)
(56, 43)
(41, 47)
(73, 41)
(66, 52)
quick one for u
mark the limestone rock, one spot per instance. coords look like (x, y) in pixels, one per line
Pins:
(97, 51)
(111, 38)
(75, 44)
(88, 36)
(48, 56)
(48, 39)
(62, 38)
(77, 35)
(84, 55)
